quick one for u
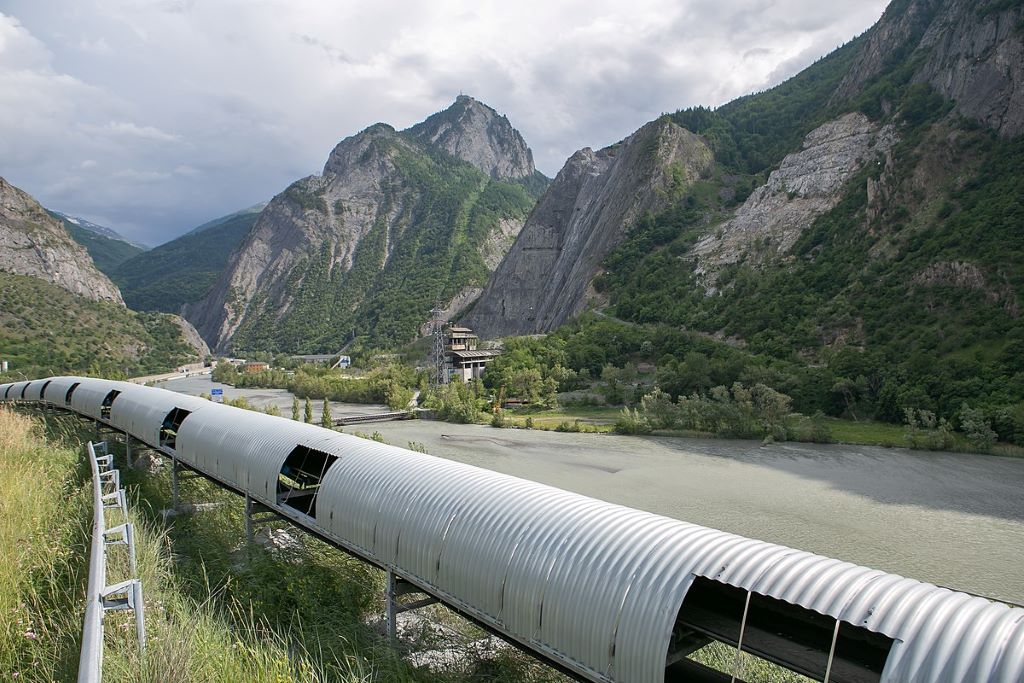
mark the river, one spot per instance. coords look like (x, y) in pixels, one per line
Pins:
(952, 519)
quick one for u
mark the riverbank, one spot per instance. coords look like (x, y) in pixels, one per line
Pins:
(602, 419)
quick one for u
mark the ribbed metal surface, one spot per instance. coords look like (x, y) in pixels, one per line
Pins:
(268, 448)
(15, 389)
(214, 435)
(88, 397)
(141, 413)
(594, 586)
(34, 390)
(57, 390)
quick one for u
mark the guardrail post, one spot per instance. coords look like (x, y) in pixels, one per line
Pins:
(99, 596)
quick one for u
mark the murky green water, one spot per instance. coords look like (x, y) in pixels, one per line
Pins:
(951, 519)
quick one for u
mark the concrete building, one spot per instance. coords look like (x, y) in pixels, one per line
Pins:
(465, 361)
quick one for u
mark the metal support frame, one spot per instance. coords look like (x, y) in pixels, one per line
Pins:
(396, 588)
(256, 513)
(101, 597)
(175, 469)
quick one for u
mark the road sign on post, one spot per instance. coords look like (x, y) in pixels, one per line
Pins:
(217, 395)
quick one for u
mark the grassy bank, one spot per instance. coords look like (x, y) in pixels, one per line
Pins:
(45, 521)
(43, 518)
(601, 419)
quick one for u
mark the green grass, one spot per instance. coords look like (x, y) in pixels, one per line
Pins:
(890, 435)
(591, 418)
(866, 433)
(749, 668)
(42, 537)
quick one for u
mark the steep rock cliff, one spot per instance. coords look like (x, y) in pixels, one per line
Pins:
(544, 279)
(969, 51)
(395, 221)
(807, 184)
(36, 244)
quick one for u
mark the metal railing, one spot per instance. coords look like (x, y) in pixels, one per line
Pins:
(100, 597)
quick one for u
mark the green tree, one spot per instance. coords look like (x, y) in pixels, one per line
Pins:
(325, 415)
(295, 408)
(977, 428)
(695, 372)
(309, 411)
(397, 396)
(658, 409)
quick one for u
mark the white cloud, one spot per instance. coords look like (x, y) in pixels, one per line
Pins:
(129, 129)
(209, 106)
(98, 46)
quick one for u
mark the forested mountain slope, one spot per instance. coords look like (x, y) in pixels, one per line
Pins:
(59, 314)
(895, 261)
(864, 219)
(397, 221)
(46, 330)
(106, 252)
(182, 271)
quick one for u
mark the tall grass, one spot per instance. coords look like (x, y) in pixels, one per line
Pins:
(43, 521)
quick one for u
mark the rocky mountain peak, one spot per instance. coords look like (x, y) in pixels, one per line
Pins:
(326, 251)
(36, 244)
(360, 149)
(970, 51)
(477, 134)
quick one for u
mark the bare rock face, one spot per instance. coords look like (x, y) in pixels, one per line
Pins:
(897, 28)
(976, 58)
(338, 208)
(191, 336)
(970, 51)
(450, 310)
(36, 244)
(473, 132)
(807, 184)
(969, 278)
(596, 197)
(363, 207)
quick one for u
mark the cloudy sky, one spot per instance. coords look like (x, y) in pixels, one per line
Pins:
(153, 116)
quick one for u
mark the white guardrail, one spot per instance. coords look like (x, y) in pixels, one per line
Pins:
(100, 597)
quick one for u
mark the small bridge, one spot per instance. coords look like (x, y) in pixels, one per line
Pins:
(376, 417)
